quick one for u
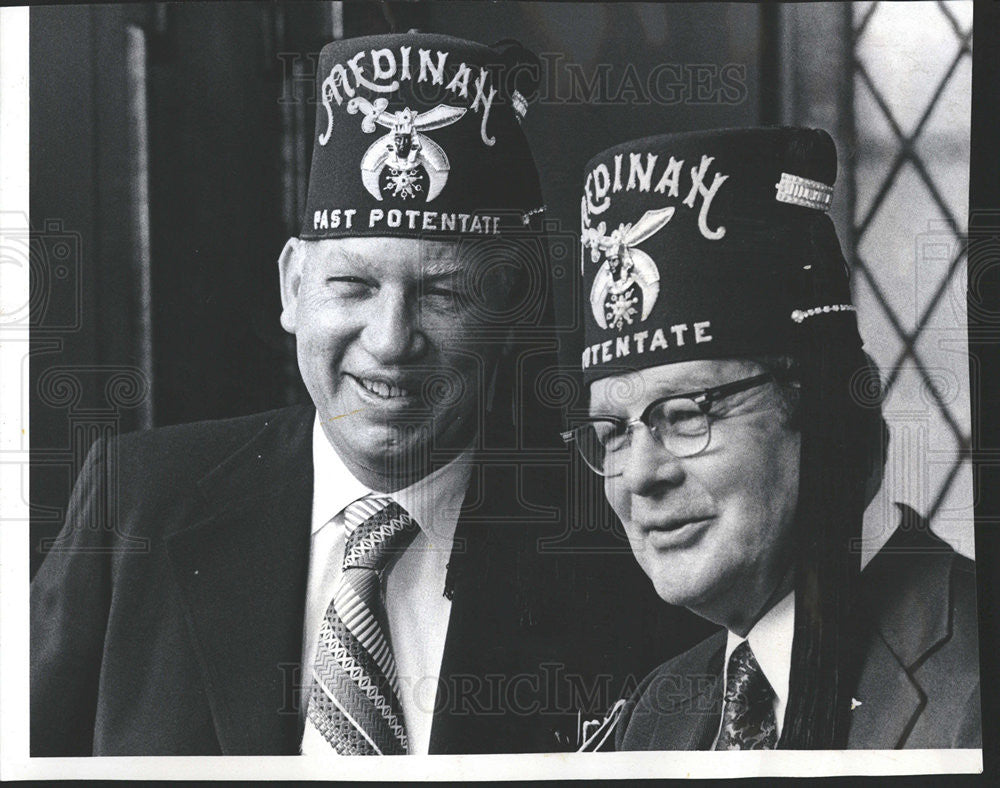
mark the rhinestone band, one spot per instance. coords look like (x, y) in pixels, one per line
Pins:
(526, 217)
(801, 191)
(799, 315)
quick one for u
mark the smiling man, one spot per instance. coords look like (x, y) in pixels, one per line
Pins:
(730, 417)
(361, 575)
(713, 535)
(393, 346)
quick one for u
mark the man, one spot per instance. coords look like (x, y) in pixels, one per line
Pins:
(362, 577)
(730, 418)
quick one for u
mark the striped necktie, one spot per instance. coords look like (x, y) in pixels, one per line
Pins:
(748, 721)
(353, 694)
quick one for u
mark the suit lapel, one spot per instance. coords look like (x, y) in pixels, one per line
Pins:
(706, 703)
(690, 699)
(452, 731)
(241, 576)
(488, 634)
(472, 625)
(890, 701)
(894, 585)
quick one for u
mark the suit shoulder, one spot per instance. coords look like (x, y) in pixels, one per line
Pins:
(192, 449)
(921, 594)
(932, 627)
(914, 571)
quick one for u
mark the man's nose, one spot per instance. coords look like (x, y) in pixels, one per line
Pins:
(649, 468)
(392, 332)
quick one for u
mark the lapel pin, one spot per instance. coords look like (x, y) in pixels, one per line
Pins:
(595, 733)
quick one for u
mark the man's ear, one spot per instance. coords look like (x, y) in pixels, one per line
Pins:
(290, 276)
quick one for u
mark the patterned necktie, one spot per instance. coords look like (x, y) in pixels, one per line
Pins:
(748, 721)
(353, 696)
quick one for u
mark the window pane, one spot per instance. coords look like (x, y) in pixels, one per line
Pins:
(914, 75)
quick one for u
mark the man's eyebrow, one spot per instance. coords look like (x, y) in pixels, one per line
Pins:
(696, 386)
(341, 256)
(700, 382)
(691, 387)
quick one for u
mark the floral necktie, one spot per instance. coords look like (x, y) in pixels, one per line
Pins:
(748, 721)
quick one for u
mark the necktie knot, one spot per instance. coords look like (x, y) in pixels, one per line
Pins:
(746, 683)
(378, 528)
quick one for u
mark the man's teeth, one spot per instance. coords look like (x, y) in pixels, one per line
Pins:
(383, 389)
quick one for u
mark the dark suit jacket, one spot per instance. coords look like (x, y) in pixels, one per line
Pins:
(167, 618)
(919, 681)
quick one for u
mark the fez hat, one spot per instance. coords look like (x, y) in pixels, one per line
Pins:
(419, 136)
(711, 244)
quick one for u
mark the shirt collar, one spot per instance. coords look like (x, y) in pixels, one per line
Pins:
(771, 643)
(434, 501)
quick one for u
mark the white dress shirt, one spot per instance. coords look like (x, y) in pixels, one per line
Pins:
(416, 607)
(771, 643)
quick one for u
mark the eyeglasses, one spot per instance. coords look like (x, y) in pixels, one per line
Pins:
(679, 422)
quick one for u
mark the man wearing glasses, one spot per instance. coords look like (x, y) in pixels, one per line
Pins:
(725, 372)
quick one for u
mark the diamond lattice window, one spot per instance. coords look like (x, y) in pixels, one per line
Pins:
(912, 73)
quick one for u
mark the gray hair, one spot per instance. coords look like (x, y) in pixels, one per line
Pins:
(785, 369)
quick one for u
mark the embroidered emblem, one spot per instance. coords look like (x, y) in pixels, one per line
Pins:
(855, 703)
(628, 284)
(415, 163)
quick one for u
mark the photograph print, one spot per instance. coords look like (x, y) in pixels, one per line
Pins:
(501, 378)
